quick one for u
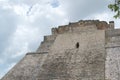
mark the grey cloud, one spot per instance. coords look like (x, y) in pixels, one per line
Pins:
(8, 23)
(79, 9)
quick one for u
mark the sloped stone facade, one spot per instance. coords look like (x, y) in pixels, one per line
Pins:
(84, 50)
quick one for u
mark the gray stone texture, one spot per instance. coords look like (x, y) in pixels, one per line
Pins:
(84, 50)
(28, 68)
(113, 56)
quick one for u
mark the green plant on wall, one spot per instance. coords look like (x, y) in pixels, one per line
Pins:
(115, 7)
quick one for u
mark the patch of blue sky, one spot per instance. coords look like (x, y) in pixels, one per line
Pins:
(55, 3)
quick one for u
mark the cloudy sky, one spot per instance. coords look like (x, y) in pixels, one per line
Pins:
(23, 23)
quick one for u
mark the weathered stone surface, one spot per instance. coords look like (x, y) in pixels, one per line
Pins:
(66, 62)
(28, 68)
(113, 57)
(82, 26)
(46, 44)
(84, 50)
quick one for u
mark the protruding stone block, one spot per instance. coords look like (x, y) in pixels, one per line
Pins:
(111, 24)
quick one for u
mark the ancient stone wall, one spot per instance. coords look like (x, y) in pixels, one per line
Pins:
(112, 69)
(67, 62)
(28, 68)
(46, 44)
(84, 50)
(83, 25)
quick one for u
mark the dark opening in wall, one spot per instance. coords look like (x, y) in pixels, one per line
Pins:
(77, 45)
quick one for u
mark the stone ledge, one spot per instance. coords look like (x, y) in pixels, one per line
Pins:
(100, 25)
(112, 33)
(31, 53)
(112, 45)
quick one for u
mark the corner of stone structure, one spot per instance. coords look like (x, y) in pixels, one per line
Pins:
(73, 26)
(54, 31)
(32, 53)
(111, 24)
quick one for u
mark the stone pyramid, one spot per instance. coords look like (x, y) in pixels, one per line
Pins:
(83, 50)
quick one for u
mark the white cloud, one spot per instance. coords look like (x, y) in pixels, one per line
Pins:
(105, 16)
(1, 61)
(20, 41)
(79, 9)
(1, 76)
(20, 9)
